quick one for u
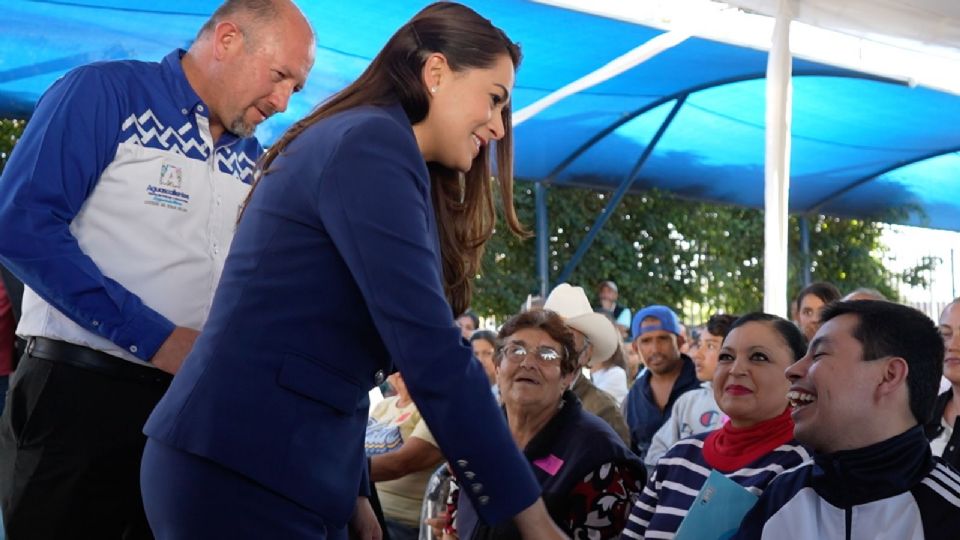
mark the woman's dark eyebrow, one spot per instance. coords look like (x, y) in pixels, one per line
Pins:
(506, 93)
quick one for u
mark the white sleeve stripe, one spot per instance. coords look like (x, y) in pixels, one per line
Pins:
(646, 507)
(680, 488)
(806, 462)
(630, 534)
(686, 464)
(774, 468)
(660, 534)
(671, 511)
(636, 519)
(692, 441)
(948, 476)
(949, 497)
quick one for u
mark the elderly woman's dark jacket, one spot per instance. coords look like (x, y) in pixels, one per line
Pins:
(573, 445)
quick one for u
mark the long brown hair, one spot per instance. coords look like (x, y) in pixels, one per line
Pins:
(463, 202)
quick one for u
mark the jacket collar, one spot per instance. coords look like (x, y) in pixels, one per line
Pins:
(878, 471)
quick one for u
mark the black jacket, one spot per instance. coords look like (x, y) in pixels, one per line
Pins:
(933, 429)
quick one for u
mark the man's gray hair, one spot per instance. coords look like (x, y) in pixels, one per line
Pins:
(864, 293)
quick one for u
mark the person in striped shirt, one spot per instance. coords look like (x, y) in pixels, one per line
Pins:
(751, 448)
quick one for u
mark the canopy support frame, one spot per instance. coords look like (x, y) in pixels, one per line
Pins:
(543, 260)
(618, 195)
(866, 179)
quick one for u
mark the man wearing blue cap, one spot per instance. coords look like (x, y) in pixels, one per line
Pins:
(657, 338)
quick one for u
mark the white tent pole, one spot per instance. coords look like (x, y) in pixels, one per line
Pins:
(613, 68)
(777, 165)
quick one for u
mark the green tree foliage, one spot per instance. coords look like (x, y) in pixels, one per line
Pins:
(661, 249)
(10, 131)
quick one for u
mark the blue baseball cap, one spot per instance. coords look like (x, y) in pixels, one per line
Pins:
(668, 321)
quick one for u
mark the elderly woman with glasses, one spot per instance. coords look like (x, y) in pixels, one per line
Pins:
(588, 476)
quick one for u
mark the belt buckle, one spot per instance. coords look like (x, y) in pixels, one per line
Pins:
(31, 342)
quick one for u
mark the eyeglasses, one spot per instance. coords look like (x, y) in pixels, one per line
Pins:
(516, 354)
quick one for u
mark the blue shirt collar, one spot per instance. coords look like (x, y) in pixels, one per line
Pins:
(185, 97)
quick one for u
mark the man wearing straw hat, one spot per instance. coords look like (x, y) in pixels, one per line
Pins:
(596, 339)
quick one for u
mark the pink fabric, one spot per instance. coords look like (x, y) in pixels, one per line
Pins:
(551, 464)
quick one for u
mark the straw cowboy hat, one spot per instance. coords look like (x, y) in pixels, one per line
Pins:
(572, 305)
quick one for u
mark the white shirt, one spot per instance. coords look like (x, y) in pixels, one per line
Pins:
(613, 381)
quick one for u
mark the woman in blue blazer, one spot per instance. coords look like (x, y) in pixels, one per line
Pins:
(367, 225)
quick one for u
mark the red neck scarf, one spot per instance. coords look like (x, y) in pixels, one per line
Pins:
(729, 449)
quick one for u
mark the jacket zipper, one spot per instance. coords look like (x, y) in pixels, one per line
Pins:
(848, 518)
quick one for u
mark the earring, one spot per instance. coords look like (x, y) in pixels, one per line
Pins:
(433, 90)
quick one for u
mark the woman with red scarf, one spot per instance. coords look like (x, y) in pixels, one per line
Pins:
(753, 446)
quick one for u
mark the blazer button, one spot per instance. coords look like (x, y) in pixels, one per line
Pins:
(378, 377)
(469, 475)
(477, 488)
(483, 500)
(462, 463)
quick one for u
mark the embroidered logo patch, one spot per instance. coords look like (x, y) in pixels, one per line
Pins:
(709, 418)
(171, 176)
(168, 194)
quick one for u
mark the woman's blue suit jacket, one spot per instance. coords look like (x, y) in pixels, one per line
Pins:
(334, 279)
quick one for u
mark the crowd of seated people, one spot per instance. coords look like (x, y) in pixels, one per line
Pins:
(727, 406)
(622, 434)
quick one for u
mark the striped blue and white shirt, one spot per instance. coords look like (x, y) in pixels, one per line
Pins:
(680, 474)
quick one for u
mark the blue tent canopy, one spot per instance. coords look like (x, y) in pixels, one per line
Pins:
(860, 145)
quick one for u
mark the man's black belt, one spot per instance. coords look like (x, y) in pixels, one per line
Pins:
(93, 360)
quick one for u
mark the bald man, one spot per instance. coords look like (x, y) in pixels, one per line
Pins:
(118, 206)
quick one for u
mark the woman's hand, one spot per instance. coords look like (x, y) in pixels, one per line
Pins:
(535, 523)
(438, 526)
(363, 523)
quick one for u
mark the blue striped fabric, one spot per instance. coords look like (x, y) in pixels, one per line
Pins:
(680, 474)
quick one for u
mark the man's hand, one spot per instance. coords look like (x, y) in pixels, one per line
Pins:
(535, 523)
(172, 352)
(363, 523)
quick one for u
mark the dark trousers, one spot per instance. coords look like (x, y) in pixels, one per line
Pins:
(4, 384)
(400, 531)
(70, 449)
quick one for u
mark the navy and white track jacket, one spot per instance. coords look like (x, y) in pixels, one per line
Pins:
(894, 489)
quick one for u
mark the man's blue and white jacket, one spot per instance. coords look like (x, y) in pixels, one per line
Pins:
(892, 490)
(117, 208)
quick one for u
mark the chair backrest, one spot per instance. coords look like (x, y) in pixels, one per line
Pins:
(435, 499)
